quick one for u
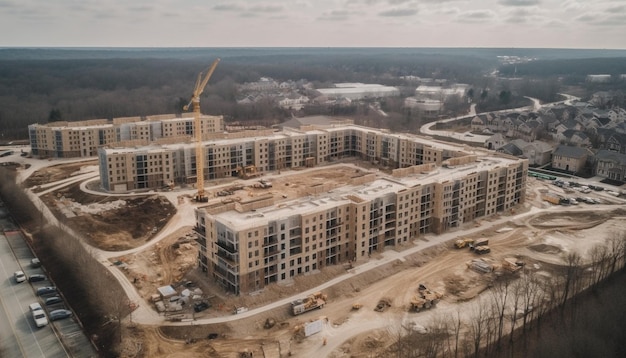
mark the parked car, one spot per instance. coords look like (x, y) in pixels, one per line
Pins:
(52, 300)
(201, 306)
(19, 276)
(60, 314)
(37, 277)
(42, 291)
(35, 262)
(39, 316)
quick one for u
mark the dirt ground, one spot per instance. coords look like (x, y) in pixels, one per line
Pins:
(540, 241)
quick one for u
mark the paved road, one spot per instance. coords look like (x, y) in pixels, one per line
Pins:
(19, 337)
(476, 138)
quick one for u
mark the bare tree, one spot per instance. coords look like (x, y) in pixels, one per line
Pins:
(477, 327)
(572, 276)
(599, 255)
(499, 295)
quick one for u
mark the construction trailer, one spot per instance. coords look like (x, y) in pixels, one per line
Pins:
(311, 302)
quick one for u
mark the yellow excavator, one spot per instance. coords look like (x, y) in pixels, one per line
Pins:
(201, 82)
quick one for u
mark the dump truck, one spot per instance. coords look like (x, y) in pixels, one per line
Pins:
(480, 242)
(311, 302)
(461, 243)
(425, 298)
(512, 264)
(481, 250)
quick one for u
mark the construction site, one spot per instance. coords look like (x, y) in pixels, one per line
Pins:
(344, 310)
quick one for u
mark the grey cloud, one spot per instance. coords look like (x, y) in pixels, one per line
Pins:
(615, 20)
(229, 7)
(519, 2)
(266, 8)
(477, 16)
(450, 11)
(336, 15)
(614, 9)
(398, 12)
(141, 8)
(362, 2)
(585, 18)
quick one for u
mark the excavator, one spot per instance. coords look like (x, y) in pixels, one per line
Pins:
(201, 83)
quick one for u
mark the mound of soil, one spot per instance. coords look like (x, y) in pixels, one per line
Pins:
(546, 249)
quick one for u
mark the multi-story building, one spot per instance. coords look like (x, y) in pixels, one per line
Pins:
(226, 154)
(82, 139)
(248, 245)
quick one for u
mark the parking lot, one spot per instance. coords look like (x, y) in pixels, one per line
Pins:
(19, 334)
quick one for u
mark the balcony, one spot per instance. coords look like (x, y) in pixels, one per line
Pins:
(230, 248)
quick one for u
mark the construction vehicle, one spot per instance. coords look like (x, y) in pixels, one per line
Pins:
(201, 83)
(356, 306)
(481, 250)
(382, 305)
(247, 172)
(425, 298)
(461, 243)
(311, 302)
(263, 184)
(512, 264)
(480, 242)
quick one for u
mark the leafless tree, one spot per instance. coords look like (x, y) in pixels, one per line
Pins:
(599, 255)
(617, 250)
(477, 327)
(571, 277)
(499, 295)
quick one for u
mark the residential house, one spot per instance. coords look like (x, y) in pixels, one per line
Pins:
(495, 141)
(617, 143)
(575, 137)
(570, 158)
(610, 165)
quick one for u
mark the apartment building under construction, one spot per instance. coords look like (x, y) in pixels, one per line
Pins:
(82, 139)
(227, 154)
(248, 244)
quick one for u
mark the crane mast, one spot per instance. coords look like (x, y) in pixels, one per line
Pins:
(201, 82)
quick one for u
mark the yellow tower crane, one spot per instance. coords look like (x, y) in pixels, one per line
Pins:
(201, 82)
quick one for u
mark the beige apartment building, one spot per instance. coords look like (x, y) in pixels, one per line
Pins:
(82, 139)
(226, 154)
(248, 245)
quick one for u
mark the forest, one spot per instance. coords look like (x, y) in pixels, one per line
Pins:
(46, 85)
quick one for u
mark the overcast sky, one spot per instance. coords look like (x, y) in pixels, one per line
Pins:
(318, 23)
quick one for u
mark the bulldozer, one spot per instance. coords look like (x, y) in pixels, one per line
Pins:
(425, 298)
(316, 300)
(461, 243)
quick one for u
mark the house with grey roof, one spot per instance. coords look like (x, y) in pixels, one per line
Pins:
(570, 158)
(575, 137)
(616, 142)
(610, 165)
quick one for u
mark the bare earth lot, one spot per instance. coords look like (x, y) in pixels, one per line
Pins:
(112, 223)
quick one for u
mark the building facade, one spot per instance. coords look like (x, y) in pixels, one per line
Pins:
(82, 139)
(226, 154)
(245, 246)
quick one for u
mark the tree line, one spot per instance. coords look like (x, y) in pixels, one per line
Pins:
(573, 312)
(39, 91)
(93, 293)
